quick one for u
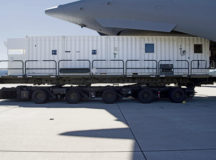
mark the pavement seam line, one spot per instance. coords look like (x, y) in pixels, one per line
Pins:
(184, 150)
(132, 132)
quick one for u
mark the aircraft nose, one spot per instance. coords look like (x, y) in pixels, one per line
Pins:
(53, 11)
(75, 12)
(65, 12)
(69, 8)
(70, 11)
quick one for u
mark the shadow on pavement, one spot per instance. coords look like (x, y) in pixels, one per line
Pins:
(99, 103)
(146, 118)
(118, 133)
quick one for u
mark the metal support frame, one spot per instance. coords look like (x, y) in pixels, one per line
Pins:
(188, 65)
(29, 61)
(212, 64)
(126, 70)
(98, 60)
(198, 65)
(79, 60)
(91, 65)
(22, 68)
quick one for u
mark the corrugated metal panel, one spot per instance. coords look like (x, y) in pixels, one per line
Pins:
(127, 51)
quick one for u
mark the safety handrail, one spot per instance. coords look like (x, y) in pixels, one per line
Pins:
(174, 68)
(188, 64)
(79, 60)
(127, 68)
(198, 65)
(14, 68)
(103, 60)
(201, 64)
(159, 62)
(212, 64)
(28, 61)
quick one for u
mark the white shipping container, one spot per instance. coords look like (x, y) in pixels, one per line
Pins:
(109, 55)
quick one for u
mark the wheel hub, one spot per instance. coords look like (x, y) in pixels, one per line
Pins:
(40, 96)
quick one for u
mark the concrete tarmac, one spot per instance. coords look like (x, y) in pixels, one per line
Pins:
(127, 130)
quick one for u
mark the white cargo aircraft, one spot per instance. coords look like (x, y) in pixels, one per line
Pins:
(113, 17)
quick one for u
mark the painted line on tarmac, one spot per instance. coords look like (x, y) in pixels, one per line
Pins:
(132, 132)
(19, 151)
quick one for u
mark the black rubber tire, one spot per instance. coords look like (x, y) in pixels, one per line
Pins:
(39, 96)
(177, 95)
(134, 95)
(73, 96)
(109, 96)
(146, 95)
(190, 94)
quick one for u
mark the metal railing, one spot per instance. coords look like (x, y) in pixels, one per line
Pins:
(24, 68)
(212, 64)
(108, 68)
(65, 68)
(39, 69)
(185, 68)
(199, 65)
(176, 68)
(141, 68)
(14, 68)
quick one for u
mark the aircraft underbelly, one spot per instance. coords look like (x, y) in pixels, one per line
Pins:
(111, 17)
(136, 25)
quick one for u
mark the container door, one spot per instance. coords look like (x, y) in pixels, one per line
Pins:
(99, 50)
(75, 59)
(116, 61)
(182, 62)
(16, 49)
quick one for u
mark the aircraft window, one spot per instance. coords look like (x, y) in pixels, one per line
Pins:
(198, 48)
(149, 48)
